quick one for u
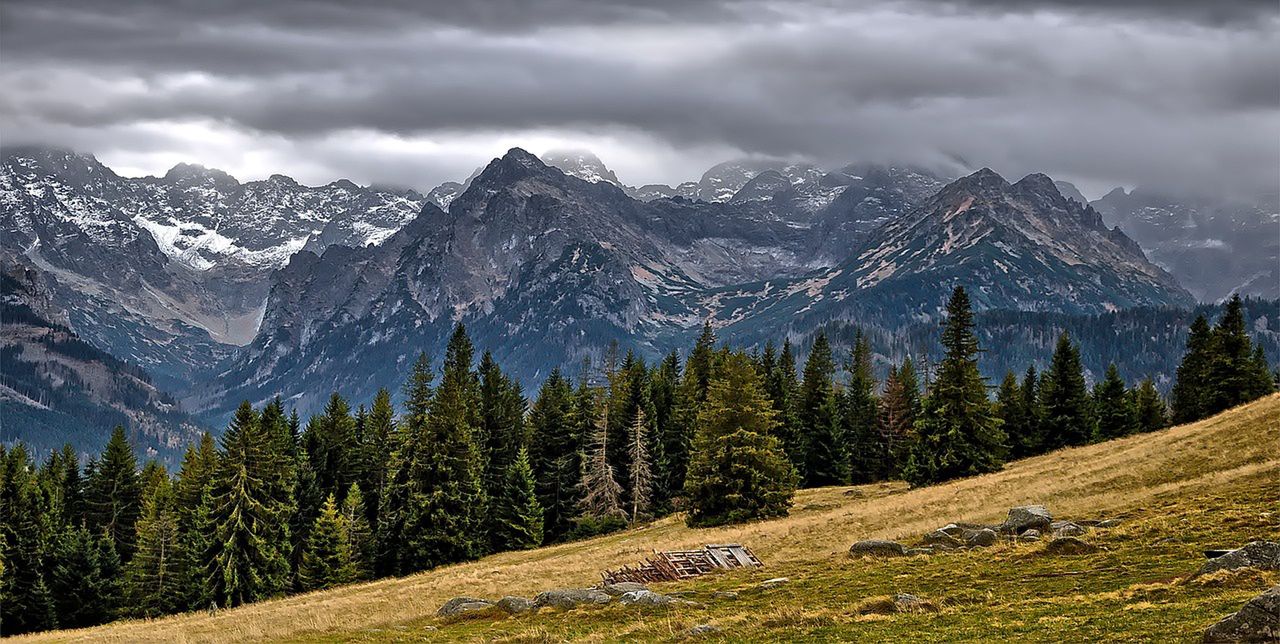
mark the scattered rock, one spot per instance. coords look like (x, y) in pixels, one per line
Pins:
(724, 594)
(1258, 621)
(514, 605)
(1069, 546)
(1031, 535)
(570, 597)
(1024, 518)
(704, 629)
(644, 598)
(1108, 523)
(773, 583)
(877, 548)
(941, 537)
(1067, 529)
(922, 550)
(460, 605)
(622, 588)
(981, 538)
(857, 494)
(1263, 555)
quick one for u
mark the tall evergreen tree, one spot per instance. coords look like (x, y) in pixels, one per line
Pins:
(153, 576)
(1011, 411)
(689, 398)
(556, 455)
(28, 605)
(1234, 375)
(1150, 412)
(1026, 437)
(81, 595)
(824, 460)
(191, 498)
(664, 380)
(405, 490)
(867, 451)
(360, 544)
(1064, 398)
(331, 447)
(519, 523)
(958, 433)
(444, 521)
(114, 494)
(327, 560)
(248, 559)
(783, 389)
(377, 444)
(739, 471)
(898, 410)
(1190, 397)
(1113, 407)
(501, 435)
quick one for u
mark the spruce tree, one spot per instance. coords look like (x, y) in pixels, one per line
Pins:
(520, 520)
(1150, 412)
(114, 494)
(327, 561)
(1234, 375)
(1011, 412)
(958, 433)
(556, 455)
(404, 487)
(1064, 399)
(28, 604)
(360, 544)
(377, 444)
(783, 390)
(248, 559)
(867, 451)
(1190, 396)
(664, 380)
(1027, 439)
(331, 447)
(191, 500)
(74, 579)
(501, 435)
(153, 577)
(824, 462)
(444, 519)
(641, 468)
(899, 407)
(1113, 407)
(689, 397)
(738, 471)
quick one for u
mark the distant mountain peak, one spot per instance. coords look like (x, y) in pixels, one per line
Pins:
(581, 164)
(192, 173)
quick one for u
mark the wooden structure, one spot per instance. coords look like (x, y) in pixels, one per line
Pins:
(683, 564)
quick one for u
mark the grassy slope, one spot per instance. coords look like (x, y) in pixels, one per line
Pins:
(1211, 484)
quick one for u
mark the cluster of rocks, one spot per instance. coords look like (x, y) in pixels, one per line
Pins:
(626, 593)
(1025, 524)
(1258, 620)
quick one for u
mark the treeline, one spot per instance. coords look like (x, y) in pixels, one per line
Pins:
(469, 467)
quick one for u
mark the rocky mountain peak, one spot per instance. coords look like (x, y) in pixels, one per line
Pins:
(581, 164)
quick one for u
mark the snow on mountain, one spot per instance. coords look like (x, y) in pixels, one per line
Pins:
(581, 164)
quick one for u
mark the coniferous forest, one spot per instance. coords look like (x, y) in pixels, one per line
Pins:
(470, 465)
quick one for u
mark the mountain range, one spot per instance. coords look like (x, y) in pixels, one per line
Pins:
(223, 290)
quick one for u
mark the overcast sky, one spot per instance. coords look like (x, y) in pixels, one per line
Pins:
(1162, 93)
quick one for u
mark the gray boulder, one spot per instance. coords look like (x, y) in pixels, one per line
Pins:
(1258, 621)
(1069, 546)
(1263, 555)
(923, 550)
(1108, 523)
(514, 605)
(460, 605)
(980, 538)
(1031, 535)
(704, 629)
(622, 588)
(1067, 529)
(644, 598)
(566, 598)
(944, 539)
(1025, 518)
(877, 548)
(724, 594)
(773, 583)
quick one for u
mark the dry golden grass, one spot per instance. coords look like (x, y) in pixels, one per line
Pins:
(1093, 481)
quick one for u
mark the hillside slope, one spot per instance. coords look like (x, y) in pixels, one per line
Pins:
(1215, 483)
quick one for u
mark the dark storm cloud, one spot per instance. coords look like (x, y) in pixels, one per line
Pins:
(1138, 91)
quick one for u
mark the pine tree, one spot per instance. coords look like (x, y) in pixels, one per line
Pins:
(783, 390)
(444, 520)
(377, 444)
(327, 561)
(520, 520)
(403, 495)
(556, 455)
(664, 380)
(248, 559)
(958, 433)
(898, 410)
(360, 542)
(153, 576)
(1064, 398)
(191, 500)
(1234, 375)
(641, 474)
(1190, 397)
(738, 471)
(1113, 407)
(1011, 411)
(824, 462)
(867, 452)
(689, 398)
(331, 447)
(28, 605)
(1150, 411)
(501, 434)
(153, 476)
(114, 494)
(1027, 437)
(74, 579)
(601, 493)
